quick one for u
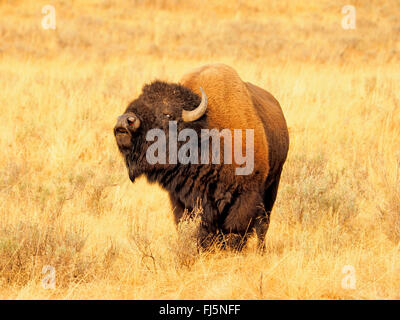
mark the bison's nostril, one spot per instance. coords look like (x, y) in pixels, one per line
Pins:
(131, 120)
(126, 123)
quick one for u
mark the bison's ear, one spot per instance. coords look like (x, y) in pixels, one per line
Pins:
(189, 116)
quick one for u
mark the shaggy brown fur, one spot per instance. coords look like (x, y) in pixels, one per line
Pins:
(232, 205)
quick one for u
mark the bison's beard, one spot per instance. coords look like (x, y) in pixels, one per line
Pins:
(132, 156)
(131, 166)
(131, 173)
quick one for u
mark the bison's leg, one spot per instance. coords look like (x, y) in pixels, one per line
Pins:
(235, 241)
(207, 238)
(261, 225)
(270, 196)
(209, 233)
(242, 217)
(262, 222)
(177, 207)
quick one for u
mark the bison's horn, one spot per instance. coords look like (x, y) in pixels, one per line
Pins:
(197, 113)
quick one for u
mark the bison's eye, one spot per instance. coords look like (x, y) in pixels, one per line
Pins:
(166, 113)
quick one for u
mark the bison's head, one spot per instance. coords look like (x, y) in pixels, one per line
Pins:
(158, 104)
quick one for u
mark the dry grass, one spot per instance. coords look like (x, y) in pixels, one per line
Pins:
(66, 200)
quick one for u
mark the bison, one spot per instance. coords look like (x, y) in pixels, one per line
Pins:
(232, 205)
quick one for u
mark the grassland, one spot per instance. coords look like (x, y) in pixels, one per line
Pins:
(66, 200)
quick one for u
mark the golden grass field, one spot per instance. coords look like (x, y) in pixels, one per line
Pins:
(65, 197)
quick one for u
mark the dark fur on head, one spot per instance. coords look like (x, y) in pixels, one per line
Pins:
(159, 103)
